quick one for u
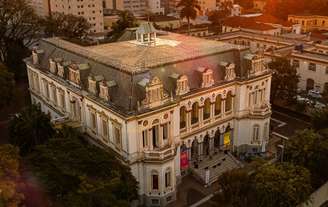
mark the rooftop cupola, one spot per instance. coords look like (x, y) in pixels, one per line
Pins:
(146, 34)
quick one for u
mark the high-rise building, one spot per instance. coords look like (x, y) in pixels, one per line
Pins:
(92, 11)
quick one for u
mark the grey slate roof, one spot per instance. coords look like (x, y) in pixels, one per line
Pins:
(184, 59)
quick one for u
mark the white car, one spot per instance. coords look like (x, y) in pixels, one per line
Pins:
(314, 94)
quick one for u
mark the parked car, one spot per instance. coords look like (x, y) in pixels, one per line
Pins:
(314, 94)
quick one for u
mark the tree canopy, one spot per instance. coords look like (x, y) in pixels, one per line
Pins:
(66, 25)
(126, 20)
(80, 174)
(189, 10)
(284, 185)
(9, 172)
(319, 119)
(237, 188)
(284, 79)
(217, 16)
(309, 149)
(19, 28)
(6, 86)
(29, 128)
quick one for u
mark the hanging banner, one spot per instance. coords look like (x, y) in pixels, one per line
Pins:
(226, 140)
(184, 164)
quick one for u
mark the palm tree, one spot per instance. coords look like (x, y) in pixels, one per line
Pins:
(189, 10)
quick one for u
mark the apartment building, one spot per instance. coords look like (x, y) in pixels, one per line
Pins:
(310, 22)
(91, 10)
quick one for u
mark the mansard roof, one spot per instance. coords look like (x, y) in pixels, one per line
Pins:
(132, 57)
(104, 60)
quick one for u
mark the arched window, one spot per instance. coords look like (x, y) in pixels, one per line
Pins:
(195, 113)
(228, 103)
(207, 109)
(168, 177)
(218, 105)
(183, 117)
(154, 180)
(256, 133)
(309, 84)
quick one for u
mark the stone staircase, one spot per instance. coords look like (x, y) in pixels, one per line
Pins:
(217, 165)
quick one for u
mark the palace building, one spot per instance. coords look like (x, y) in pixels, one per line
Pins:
(165, 103)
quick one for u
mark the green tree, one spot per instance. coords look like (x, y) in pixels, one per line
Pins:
(283, 185)
(19, 28)
(29, 128)
(236, 188)
(319, 119)
(284, 79)
(9, 173)
(66, 25)
(216, 17)
(309, 149)
(126, 20)
(7, 84)
(189, 10)
(80, 174)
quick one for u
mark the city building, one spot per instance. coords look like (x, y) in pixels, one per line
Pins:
(309, 58)
(41, 7)
(92, 11)
(262, 24)
(137, 7)
(165, 103)
(310, 22)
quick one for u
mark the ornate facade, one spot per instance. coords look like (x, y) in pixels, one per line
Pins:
(160, 107)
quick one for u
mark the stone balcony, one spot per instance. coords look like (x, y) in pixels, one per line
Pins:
(160, 154)
(260, 110)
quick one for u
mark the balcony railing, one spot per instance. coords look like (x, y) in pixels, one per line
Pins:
(160, 154)
(261, 109)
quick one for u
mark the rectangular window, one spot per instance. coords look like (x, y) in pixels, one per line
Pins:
(105, 128)
(155, 182)
(312, 66)
(155, 136)
(93, 121)
(62, 99)
(167, 179)
(256, 133)
(117, 137)
(165, 131)
(54, 94)
(145, 138)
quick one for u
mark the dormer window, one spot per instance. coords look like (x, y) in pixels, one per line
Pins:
(74, 75)
(53, 66)
(207, 77)
(182, 85)
(36, 56)
(103, 91)
(92, 85)
(154, 92)
(94, 82)
(229, 69)
(60, 70)
(255, 64)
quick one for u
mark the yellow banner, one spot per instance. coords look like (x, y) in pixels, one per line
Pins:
(226, 140)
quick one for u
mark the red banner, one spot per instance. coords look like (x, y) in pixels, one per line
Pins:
(184, 160)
